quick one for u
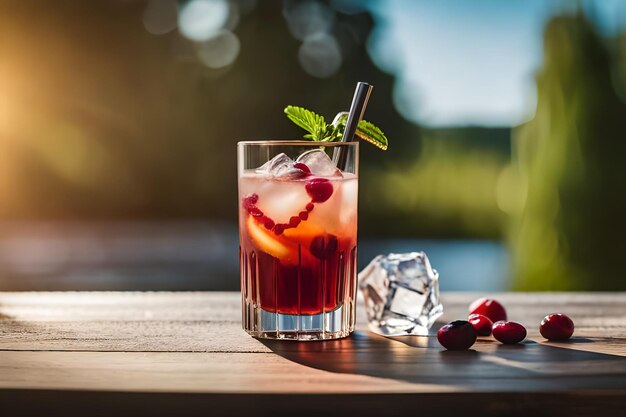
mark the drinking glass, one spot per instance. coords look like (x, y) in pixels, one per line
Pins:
(298, 238)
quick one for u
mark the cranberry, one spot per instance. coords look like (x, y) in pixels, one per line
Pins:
(489, 308)
(303, 215)
(319, 189)
(250, 201)
(309, 207)
(255, 212)
(279, 229)
(294, 221)
(556, 327)
(302, 167)
(323, 246)
(267, 222)
(481, 324)
(457, 335)
(508, 332)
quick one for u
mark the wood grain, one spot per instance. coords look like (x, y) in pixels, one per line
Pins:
(188, 348)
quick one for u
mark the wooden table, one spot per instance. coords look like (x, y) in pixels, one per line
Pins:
(114, 354)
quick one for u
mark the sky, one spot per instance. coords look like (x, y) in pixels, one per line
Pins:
(460, 62)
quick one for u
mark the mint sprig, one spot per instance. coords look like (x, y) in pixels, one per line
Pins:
(320, 131)
(372, 134)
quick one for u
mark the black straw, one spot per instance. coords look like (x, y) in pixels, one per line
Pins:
(357, 110)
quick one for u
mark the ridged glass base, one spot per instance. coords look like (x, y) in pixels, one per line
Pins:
(331, 325)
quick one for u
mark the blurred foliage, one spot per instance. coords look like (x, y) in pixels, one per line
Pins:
(110, 122)
(101, 119)
(569, 231)
(450, 190)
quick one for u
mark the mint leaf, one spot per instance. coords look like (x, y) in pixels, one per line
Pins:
(372, 134)
(365, 130)
(320, 131)
(310, 121)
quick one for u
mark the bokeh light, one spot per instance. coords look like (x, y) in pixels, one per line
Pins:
(160, 16)
(200, 20)
(307, 19)
(320, 56)
(219, 51)
(313, 23)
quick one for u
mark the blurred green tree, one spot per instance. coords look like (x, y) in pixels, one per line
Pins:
(569, 232)
(451, 189)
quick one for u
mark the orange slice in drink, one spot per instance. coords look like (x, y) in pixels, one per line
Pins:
(267, 241)
(305, 231)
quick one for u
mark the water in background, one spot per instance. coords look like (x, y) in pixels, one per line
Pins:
(194, 256)
(463, 265)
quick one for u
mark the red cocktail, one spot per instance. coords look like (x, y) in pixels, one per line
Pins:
(298, 224)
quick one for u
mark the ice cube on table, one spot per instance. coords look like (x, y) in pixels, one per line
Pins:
(401, 293)
(280, 167)
(319, 163)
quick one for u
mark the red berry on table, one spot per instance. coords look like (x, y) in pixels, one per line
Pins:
(319, 189)
(457, 335)
(556, 327)
(489, 308)
(481, 324)
(508, 332)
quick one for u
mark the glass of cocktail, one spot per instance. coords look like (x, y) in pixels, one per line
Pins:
(297, 231)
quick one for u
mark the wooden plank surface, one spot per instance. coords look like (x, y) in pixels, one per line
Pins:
(188, 348)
